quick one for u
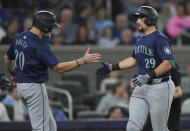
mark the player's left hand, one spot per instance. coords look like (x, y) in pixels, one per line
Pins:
(141, 79)
(3, 83)
(91, 58)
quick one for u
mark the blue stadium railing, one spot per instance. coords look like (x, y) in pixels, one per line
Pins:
(82, 125)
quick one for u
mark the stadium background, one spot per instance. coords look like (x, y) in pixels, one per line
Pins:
(85, 30)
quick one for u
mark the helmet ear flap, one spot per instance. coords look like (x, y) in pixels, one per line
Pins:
(148, 21)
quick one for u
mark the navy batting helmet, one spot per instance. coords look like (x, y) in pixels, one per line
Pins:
(150, 14)
(44, 21)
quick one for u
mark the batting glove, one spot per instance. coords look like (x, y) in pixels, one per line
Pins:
(107, 68)
(3, 83)
(141, 79)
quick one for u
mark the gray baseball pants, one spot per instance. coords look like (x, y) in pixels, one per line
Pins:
(155, 99)
(36, 99)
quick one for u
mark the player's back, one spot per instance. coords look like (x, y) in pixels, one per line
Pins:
(30, 59)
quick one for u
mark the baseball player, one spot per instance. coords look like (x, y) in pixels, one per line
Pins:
(28, 59)
(154, 88)
(174, 116)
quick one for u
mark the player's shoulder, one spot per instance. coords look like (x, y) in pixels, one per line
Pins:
(161, 35)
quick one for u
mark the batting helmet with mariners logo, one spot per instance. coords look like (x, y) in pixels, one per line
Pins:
(44, 21)
(150, 14)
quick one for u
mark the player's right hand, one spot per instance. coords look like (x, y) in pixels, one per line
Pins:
(90, 58)
(3, 83)
(107, 68)
(133, 85)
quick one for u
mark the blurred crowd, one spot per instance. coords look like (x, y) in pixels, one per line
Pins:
(105, 23)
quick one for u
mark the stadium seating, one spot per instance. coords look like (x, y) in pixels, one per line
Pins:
(75, 88)
(89, 115)
(80, 76)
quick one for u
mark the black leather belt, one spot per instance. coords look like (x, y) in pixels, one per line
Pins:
(159, 80)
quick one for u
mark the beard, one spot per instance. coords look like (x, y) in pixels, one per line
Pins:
(140, 29)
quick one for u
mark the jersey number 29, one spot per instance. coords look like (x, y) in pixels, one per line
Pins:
(19, 58)
(150, 63)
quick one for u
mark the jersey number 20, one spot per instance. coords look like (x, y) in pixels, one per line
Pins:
(150, 63)
(19, 58)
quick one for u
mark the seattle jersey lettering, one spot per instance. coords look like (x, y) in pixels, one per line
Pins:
(143, 50)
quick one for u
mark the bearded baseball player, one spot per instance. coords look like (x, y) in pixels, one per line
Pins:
(28, 59)
(154, 89)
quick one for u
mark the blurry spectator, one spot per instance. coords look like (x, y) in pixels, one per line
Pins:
(120, 24)
(20, 111)
(115, 113)
(164, 16)
(12, 29)
(152, 3)
(179, 24)
(2, 33)
(57, 113)
(27, 23)
(119, 97)
(173, 4)
(185, 81)
(113, 78)
(130, 6)
(3, 113)
(67, 27)
(58, 39)
(92, 36)
(82, 36)
(101, 20)
(188, 9)
(85, 11)
(108, 39)
(127, 37)
(3, 19)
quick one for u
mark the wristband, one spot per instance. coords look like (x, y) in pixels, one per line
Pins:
(77, 63)
(12, 73)
(152, 74)
(115, 67)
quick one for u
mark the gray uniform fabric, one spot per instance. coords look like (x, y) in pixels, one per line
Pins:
(36, 98)
(155, 99)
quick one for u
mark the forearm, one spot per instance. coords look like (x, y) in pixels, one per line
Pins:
(9, 63)
(164, 67)
(127, 63)
(68, 66)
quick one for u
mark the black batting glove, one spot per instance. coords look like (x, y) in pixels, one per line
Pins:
(107, 68)
(3, 83)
